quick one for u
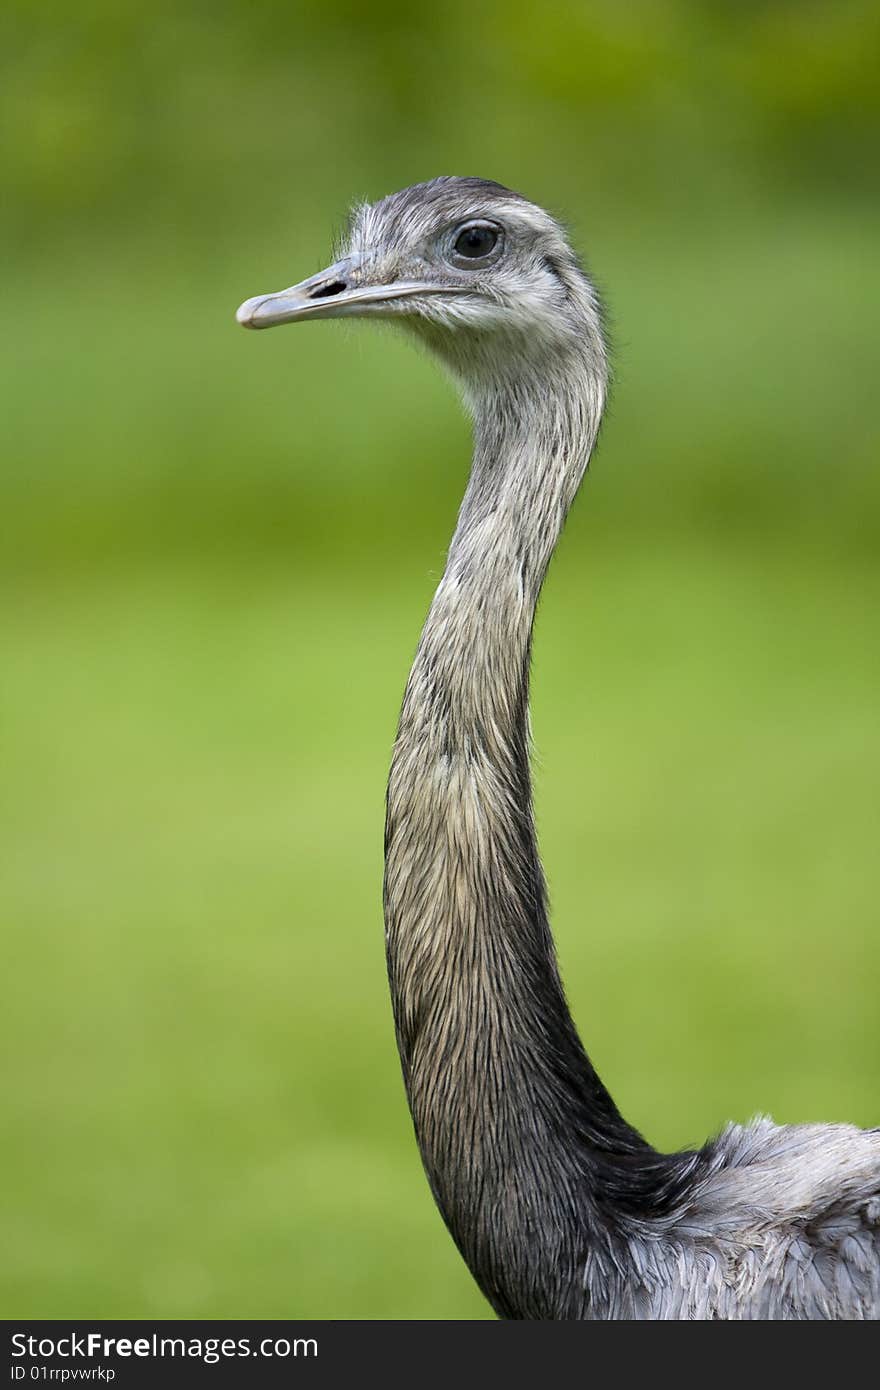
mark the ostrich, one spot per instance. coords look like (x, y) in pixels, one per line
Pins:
(559, 1207)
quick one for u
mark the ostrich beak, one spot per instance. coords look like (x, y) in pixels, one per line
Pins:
(333, 293)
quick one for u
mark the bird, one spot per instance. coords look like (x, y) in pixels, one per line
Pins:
(559, 1207)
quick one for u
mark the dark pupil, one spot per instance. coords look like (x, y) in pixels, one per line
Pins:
(476, 241)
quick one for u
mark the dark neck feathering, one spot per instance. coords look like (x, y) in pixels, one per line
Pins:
(498, 1082)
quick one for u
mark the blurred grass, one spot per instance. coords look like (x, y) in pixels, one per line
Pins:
(217, 550)
(208, 1112)
(138, 422)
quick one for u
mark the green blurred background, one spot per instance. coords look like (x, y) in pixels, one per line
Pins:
(218, 549)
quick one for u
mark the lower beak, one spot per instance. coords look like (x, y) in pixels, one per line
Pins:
(331, 294)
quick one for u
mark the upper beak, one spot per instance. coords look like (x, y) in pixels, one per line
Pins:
(333, 293)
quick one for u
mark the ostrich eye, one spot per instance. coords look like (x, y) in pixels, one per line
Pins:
(476, 241)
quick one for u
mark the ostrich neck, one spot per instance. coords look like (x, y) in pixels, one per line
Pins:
(509, 1115)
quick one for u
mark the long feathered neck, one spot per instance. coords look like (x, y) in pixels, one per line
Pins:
(511, 1119)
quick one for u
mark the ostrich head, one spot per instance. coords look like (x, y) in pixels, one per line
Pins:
(484, 277)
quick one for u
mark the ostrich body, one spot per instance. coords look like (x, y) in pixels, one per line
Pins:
(559, 1207)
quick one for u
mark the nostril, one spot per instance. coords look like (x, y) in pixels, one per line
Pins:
(325, 291)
